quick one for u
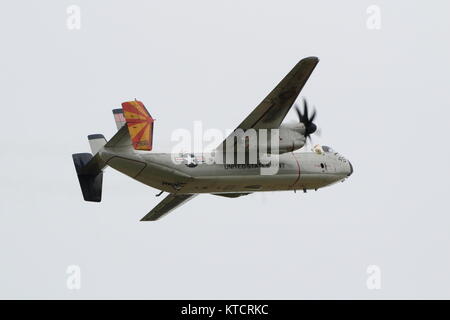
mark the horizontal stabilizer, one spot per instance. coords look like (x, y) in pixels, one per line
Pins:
(120, 140)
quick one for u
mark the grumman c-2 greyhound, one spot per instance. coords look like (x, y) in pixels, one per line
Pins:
(128, 152)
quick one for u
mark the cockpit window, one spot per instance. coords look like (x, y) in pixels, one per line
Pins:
(327, 149)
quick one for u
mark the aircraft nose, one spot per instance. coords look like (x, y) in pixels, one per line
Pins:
(351, 169)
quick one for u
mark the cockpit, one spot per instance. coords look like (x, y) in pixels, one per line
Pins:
(327, 149)
(340, 162)
(323, 149)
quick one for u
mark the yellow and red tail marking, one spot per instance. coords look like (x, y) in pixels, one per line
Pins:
(140, 124)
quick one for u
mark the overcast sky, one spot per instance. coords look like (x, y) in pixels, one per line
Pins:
(382, 97)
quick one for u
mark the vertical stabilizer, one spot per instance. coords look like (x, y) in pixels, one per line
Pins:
(140, 124)
(119, 118)
(90, 176)
(96, 142)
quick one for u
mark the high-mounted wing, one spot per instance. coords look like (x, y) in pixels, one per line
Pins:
(270, 113)
(169, 203)
(273, 109)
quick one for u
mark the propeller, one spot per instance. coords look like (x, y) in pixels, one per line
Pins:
(310, 126)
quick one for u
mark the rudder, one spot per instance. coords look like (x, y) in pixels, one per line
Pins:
(89, 175)
(140, 124)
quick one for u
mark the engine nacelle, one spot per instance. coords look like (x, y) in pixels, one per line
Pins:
(291, 137)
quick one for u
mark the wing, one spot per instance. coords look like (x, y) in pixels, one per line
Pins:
(169, 203)
(273, 109)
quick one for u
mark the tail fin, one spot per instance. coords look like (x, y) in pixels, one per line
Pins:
(89, 175)
(90, 169)
(138, 132)
(140, 125)
(135, 127)
(96, 142)
(119, 118)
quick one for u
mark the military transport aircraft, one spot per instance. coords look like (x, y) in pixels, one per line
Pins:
(128, 151)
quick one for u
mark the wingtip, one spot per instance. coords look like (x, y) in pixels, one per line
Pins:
(311, 58)
(143, 219)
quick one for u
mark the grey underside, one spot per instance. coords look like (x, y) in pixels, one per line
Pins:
(296, 171)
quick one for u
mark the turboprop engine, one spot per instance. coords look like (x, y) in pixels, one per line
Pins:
(293, 135)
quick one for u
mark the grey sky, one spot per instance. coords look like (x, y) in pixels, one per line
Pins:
(382, 98)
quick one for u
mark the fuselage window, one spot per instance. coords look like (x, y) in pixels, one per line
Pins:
(322, 166)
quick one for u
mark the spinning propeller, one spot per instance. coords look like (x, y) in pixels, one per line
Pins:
(310, 126)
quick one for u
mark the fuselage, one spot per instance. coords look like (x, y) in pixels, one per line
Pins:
(296, 171)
